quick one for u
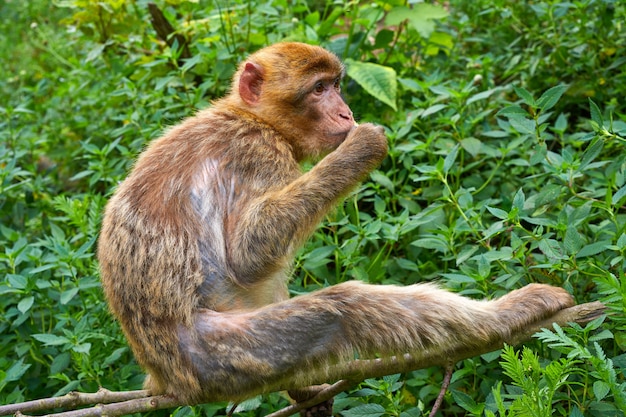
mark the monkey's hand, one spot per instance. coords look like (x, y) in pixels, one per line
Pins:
(366, 142)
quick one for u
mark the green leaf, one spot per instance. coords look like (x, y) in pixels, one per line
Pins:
(472, 145)
(519, 199)
(525, 96)
(382, 179)
(591, 153)
(25, 304)
(191, 62)
(573, 241)
(512, 111)
(432, 110)
(431, 242)
(377, 80)
(16, 371)
(459, 278)
(250, 404)
(439, 41)
(448, 163)
(522, 125)
(596, 114)
(318, 257)
(499, 213)
(600, 390)
(51, 339)
(467, 403)
(552, 249)
(550, 97)
(60, 363)
(420, 17)
(115, 356)
(365, 410)
(619, 194)
(66, 296)
(593, 249)
(482, 95)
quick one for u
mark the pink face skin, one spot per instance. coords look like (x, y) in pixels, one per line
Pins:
(324, 103)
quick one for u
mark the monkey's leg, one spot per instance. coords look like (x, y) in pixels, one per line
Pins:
(304, 341)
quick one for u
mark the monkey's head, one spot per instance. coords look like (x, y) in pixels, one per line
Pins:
(295, 88)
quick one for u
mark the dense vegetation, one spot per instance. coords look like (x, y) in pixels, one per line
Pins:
(507, 126)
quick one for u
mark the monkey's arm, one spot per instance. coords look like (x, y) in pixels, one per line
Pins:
(311, 339)
(276, 223)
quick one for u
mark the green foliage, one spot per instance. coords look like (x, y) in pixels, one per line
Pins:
(547, 389)
(507, 166)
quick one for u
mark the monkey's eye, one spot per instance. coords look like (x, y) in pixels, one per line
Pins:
(337, 84)
(319, 87)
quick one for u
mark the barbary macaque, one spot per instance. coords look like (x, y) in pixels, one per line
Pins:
(197, 244)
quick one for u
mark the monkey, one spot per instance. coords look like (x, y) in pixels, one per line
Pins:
(197, 245)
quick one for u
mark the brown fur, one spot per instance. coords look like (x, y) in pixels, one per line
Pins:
(197, 243)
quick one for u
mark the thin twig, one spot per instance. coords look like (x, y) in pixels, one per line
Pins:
(444, 387)
(72, 399)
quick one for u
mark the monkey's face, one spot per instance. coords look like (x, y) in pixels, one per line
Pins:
(295, 88)
(329, 117)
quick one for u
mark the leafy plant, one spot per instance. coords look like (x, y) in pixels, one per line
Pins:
(506, 166)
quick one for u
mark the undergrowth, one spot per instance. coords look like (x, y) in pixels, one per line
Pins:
(507, 166)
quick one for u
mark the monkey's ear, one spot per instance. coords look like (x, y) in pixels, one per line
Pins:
(250, 83)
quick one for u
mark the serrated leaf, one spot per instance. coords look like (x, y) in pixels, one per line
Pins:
(467, 403)
(459, 278)
(619, 194)
(472, 145)
(519, 199)
(365, 410)
(499, 213)
(382, 179)
(591, 153)
(551, 248)
(600, 389)
(450, 158)
(16, 371)
(525, 96)
(593, 248)
(522, 125)
(431, 242)
(51, 339)
(550, 97)
(377, 80)
(573, 241)
(512, 111)
(249, 405)
(596, 114)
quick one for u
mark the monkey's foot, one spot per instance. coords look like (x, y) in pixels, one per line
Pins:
(532, 303)
(324, 409)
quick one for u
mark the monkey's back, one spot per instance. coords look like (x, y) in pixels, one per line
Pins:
(163, 247)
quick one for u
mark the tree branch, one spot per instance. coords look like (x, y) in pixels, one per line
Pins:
(113, 404)
(165, 31)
